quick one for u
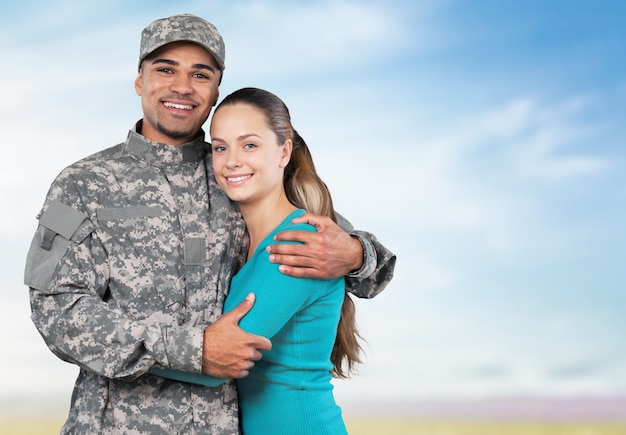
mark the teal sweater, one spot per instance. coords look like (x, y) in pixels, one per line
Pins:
(289, 390)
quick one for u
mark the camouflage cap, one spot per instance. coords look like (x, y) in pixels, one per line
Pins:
(183, 27)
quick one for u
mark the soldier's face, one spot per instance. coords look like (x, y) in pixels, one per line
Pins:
(178, 86)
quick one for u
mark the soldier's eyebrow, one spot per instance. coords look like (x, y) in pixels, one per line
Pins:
(167, 61)
(176, 63)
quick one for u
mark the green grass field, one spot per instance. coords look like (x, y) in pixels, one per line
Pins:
(387, 427)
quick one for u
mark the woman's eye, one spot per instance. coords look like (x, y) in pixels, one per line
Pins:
(249, 146)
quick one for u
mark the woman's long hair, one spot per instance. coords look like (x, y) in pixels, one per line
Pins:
(305, 189)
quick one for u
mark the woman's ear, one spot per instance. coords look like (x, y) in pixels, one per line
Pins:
(285, 156)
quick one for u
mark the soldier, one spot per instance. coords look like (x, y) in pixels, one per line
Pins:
(135, 248)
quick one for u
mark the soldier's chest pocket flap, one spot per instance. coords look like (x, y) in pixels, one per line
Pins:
(136, 221)
(142, 232)
(128, 212)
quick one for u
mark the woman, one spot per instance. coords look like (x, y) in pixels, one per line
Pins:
(262, 163)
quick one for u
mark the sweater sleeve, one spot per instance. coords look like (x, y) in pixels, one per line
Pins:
(278, 296)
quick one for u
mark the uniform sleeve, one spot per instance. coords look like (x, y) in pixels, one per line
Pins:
(378, 264)
(67, 273)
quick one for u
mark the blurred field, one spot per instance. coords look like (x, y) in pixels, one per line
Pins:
(10, 426)
(410, 427)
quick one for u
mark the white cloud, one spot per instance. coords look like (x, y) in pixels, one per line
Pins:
(549, 149)
(314, 39)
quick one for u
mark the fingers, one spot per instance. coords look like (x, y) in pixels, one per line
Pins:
(301, 272)
(324, 254)
(321, 223)
(313, 219)
(296, 236)
(259, 342)
(242, 309)
(310, 260)
(313, 246)
(248, 365)
(291, 261)
(228, 351)
(256, 355)
(241, 365)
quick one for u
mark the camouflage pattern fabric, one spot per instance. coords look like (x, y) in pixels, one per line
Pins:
(135, 285)
(132, 258)
(183, 27)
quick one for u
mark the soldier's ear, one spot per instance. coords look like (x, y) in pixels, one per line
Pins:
(138, 81)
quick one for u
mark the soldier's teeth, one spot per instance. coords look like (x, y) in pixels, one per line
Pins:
(178, 106)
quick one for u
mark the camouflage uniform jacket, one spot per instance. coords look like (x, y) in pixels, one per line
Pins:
(132, 258)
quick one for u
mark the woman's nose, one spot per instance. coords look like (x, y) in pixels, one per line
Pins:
(233, 160)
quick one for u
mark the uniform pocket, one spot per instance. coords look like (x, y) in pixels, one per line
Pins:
(145, 262)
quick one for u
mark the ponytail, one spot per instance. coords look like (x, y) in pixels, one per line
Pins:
(305, 189)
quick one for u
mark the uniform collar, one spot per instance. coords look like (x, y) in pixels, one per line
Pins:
(162, 155)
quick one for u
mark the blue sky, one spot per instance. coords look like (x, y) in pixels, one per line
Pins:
(482, 141)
